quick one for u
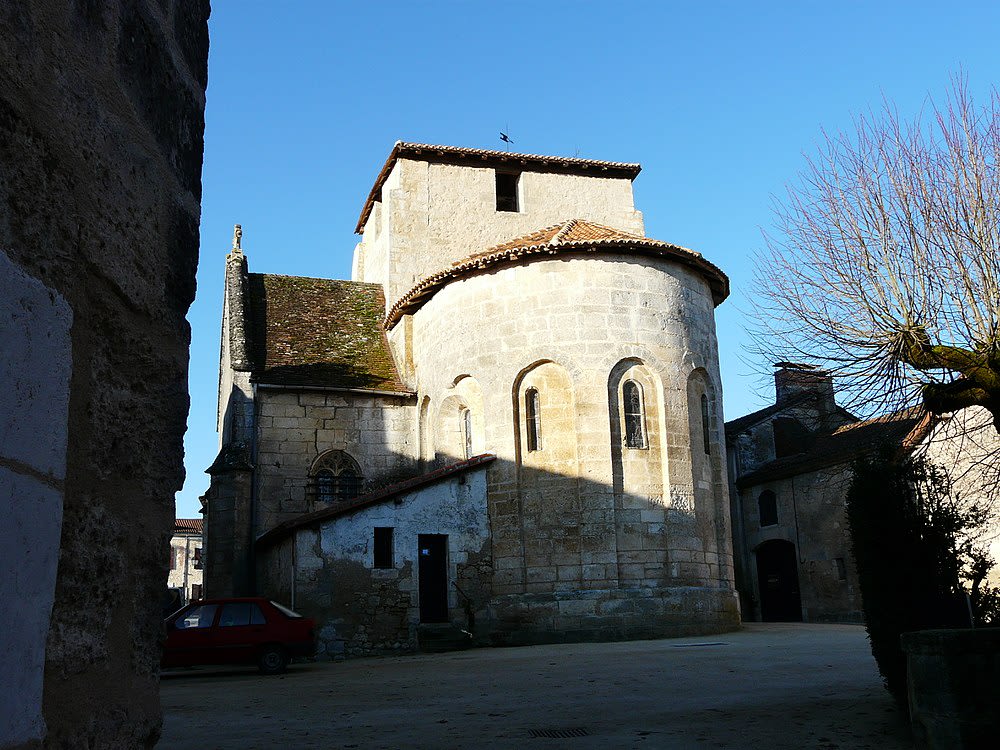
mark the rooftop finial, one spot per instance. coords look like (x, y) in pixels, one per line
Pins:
(238, 238)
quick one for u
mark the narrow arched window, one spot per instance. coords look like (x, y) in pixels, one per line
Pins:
(533, 416)
(467, 432)
(705, 431)
(336, 477)
(767, 506)
(635, 433)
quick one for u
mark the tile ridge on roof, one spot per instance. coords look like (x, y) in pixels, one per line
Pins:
(408, 146)
(379, 495)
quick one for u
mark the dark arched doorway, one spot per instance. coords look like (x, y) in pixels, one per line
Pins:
(778, 579)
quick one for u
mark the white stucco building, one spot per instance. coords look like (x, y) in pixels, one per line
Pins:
(509, 420)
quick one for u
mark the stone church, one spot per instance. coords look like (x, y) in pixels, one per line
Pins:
(505, 428)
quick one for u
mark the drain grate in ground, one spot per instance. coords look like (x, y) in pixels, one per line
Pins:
(559, 733)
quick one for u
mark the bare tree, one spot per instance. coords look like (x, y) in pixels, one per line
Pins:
(885, 264)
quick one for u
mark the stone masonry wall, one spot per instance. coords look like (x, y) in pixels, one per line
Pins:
(812, 516)
(561, 519)
(294, 429)
(434, 214)
(101, 140)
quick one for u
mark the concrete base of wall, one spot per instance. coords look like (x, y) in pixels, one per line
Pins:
(608, 615)
(953, 685)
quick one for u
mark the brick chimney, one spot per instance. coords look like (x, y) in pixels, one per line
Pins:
(792, 380)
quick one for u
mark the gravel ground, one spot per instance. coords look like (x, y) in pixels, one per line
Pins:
(766, 686)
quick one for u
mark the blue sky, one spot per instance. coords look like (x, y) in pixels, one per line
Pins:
(718, 101)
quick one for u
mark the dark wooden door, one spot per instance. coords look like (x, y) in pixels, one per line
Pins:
(778, 578)
(433, 549)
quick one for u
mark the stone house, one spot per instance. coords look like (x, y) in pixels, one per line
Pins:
(790, 468)
(186, 560)
(507, 423)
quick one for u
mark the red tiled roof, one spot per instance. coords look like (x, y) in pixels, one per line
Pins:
(381, 495)
(320, 332)
(573, 236)
(479, 157)
(902, 429)
(189, 524)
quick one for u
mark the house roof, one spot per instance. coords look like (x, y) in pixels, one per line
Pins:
(196, 525)
(572, 236)
(485, 157)
(319, 332)
(381, 495)
(738, 425)
(904, 429)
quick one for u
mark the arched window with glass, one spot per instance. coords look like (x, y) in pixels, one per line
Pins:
(635, 422)
(467, 432)
(336, 477)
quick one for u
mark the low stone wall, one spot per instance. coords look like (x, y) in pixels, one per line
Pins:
(954, 687)
(608, 615)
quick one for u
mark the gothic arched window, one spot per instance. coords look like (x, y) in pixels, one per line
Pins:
(336, 477)
(533, 415)
(635, 433)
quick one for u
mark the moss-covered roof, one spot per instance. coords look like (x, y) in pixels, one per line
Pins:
(319, 332)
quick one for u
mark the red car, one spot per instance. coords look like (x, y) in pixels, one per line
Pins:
(249, 630)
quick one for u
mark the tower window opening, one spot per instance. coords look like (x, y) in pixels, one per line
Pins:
(507, 185)
(705, 431)
(467, 432)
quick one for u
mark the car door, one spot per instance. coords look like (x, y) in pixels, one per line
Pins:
(190, 636)
(240, 632)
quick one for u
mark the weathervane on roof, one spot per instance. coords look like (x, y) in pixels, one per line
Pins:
(506, 138)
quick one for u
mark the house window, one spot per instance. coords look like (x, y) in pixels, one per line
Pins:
(635, 433)
(336, 477)
(705, 431)
(767, 506)
(534, 419)
(173, 558)
(195, 591)
(467, 432)
(841, 569)
(383, 547)
(507, 191)
(197, 558)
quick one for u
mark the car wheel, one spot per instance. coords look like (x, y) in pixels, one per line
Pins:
(273, 660)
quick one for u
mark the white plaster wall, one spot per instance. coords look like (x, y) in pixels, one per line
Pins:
(35, 361)
(435, 214)
(967, 446)
(456, 507)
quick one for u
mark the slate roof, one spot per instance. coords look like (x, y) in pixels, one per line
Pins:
(381, 495)
(902, 429)
(189, 524)
(319, 332)
(571, 236)
(487, 157)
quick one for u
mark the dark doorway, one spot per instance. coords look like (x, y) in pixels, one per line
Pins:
(778, 578)
(433, 549)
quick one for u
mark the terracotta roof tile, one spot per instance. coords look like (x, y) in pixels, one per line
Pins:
(572, 236)
(481, 157)
(320, 332)
(189, 524)
(901, 429)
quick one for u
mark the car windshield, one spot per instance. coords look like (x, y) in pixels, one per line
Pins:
(285, 610)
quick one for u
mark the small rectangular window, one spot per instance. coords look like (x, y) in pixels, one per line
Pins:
(197, 558)
(383, 547)
(507, 191)
(841, 569)
(533, 415)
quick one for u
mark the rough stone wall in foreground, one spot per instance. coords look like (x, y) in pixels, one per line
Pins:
(101, 139)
